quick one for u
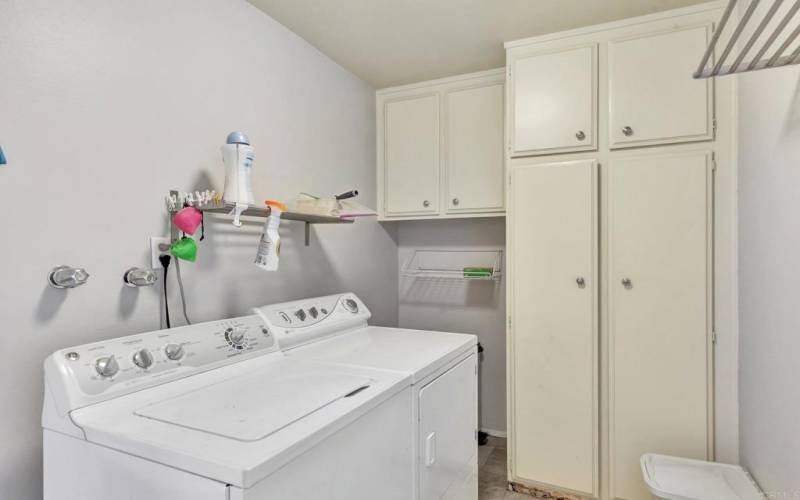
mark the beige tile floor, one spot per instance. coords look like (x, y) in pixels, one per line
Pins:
(492, 483)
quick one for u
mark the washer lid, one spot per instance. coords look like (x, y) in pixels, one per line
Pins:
(250, 408)
(212, 442)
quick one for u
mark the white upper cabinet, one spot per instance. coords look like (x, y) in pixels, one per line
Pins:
(441, 148)
(474, 146)
(653, 98)
(412, 155)
(553, 101)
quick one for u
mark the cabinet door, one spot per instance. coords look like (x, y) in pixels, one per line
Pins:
(474, 145)
(411, 147)
(653, 98)
(553, 353)
(554, 101)
(448, 421)
(660, 313)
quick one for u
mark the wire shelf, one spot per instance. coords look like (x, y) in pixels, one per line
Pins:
(468, 265)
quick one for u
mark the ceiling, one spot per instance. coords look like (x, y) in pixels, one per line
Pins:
(392, 42)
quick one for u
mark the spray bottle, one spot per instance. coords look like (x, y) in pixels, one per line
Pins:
(238, 156)
(269, 248)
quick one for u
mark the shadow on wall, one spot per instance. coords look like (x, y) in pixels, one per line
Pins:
(50, 302)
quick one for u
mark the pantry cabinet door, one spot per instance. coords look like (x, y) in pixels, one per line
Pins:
(660, 311)
(653, 98)
(553, 101)
(553, 341)
(474, 149)
(411, 162)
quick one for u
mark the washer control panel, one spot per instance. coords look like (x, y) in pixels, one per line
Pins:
(123, 363)
(302, 321)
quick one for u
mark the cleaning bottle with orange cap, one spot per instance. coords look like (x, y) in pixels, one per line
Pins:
(269, 248)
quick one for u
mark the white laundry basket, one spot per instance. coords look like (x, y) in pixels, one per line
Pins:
(674, 478)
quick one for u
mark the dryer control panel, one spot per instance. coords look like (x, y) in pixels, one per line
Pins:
(302, 321)
(97, 371)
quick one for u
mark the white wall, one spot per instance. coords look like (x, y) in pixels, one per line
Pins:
(769, 262)
(477, 307)
(105, 105)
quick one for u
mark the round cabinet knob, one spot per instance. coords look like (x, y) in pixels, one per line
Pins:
(581, 282)
(628, 131)
(173, 352)
(351, 305)
(236, 336)
(426, 203)
(627, 283)
(106, 366)
(456, 201)
(580, 135)
(143, 358)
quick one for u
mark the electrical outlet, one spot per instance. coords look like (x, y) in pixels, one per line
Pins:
(159, 245)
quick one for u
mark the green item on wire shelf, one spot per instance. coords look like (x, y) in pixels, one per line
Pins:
(478, 272)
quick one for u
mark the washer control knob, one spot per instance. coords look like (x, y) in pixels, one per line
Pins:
(174, 352)
(351, 305)
(106, 366)
(236, 336)
(143, 358)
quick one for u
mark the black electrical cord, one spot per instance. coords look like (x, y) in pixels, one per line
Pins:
(165, 259)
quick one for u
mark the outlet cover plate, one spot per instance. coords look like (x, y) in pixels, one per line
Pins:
(156, 252)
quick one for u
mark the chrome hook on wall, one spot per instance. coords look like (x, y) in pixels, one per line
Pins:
(67, 277)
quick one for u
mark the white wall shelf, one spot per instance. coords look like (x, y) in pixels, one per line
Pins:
(225, 208)
(468, 265)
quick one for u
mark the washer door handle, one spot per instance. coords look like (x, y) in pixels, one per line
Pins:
(430, 449)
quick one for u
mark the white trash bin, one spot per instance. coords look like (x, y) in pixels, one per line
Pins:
(674, 478)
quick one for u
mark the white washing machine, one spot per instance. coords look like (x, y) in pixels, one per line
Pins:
(443, 371)
(216, 411)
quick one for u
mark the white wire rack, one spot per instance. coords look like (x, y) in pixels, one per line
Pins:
(766, 33)
(455, 264)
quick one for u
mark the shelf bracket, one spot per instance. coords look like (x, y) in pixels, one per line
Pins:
(308, 233)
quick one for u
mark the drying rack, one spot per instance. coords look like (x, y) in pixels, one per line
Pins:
(454, 264)
(256, 211)
(761, 60)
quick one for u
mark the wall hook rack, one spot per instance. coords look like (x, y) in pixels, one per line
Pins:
(763, 58)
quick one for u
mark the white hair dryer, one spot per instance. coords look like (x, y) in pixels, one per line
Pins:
(238, 156)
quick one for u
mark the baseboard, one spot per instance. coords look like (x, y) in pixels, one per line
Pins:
(494, 433)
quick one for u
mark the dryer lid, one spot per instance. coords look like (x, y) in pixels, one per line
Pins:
(252, 407)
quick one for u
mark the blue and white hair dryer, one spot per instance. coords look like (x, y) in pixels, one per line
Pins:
(238, 156)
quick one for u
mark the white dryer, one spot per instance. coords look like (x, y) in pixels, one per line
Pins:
(443, 371)
(216, 411)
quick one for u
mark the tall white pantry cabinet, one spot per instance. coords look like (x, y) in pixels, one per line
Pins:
(613, 152)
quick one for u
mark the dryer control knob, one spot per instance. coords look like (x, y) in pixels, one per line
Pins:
(236, 336)
(351, 305)
(106, 366)
(143, 358)
(174, 352)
